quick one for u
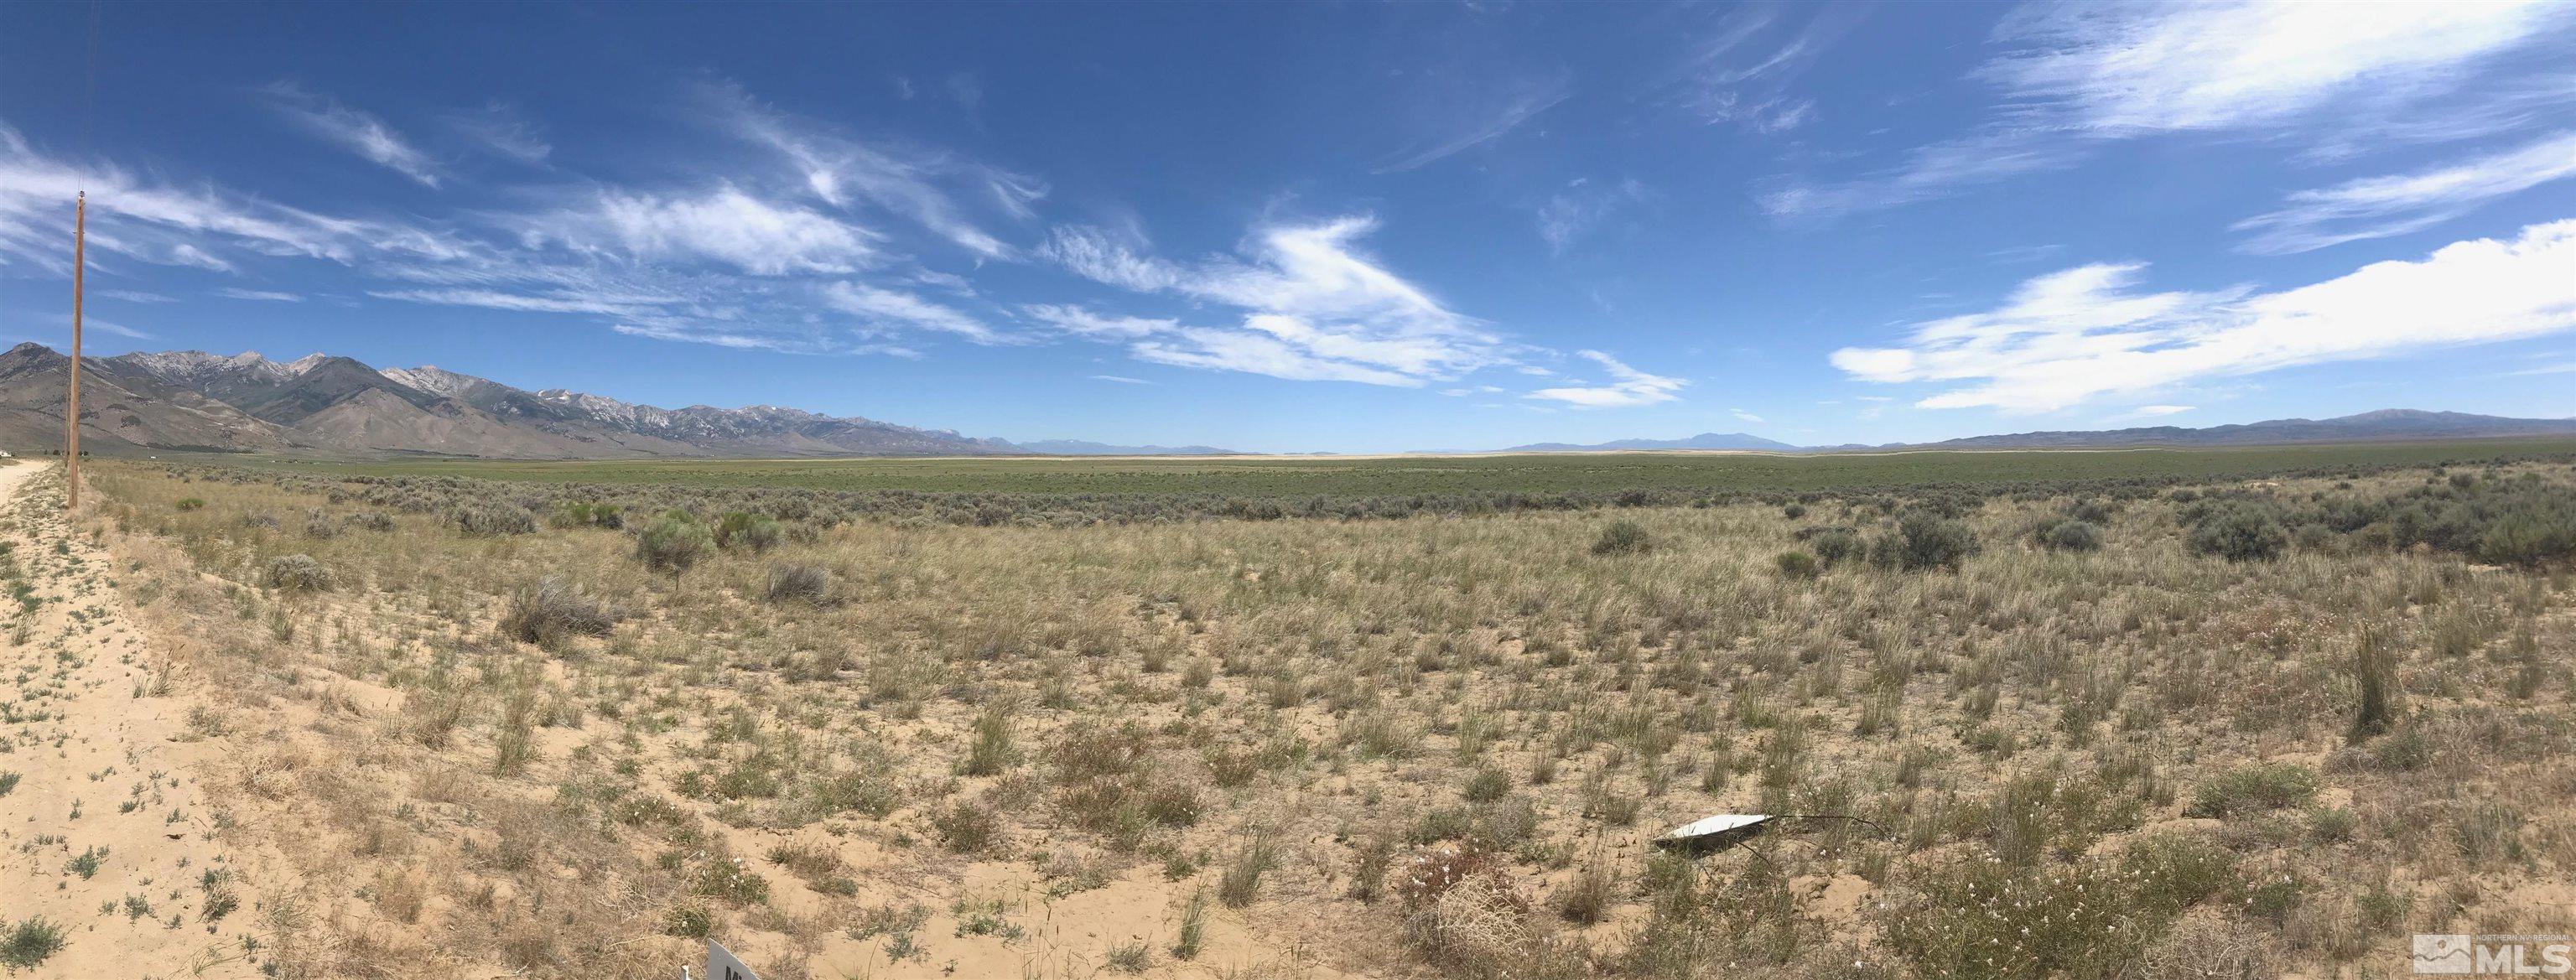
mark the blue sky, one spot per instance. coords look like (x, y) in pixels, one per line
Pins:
(1352, 227)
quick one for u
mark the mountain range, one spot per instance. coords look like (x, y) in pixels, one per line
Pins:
(2385, 425)
(1704, 440)
(326, 405)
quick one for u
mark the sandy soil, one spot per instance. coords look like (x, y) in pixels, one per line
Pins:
(95, 735)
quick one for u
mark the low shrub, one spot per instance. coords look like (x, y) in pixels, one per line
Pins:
(1796, 565)
(2072, 535)
(1923, 542)
(2255, 788)
(1832, 545)
(297, 573)
(2239, 533)
(742, 529)
(673, 542)
(1622, 538)
(585, 513)
(29, 942)
(491, 519)
(968, 827)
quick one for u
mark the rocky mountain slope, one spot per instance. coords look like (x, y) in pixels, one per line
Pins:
(320, 404)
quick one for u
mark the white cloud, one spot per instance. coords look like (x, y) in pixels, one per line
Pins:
(2158, 411)
(1932, 171)
(1474, 111)
(724, 225)
(2379, 207)
(520, 302)
(844, 172)
(148, 221)
(272, 296)
(355, 131)
(730, 264)
(2072, 336)
(104, 326)
(1575, 211)
(1121, 379)
(884, 308)
(1744, 415)
(737, 341)
(1314, 308)
(2079, 75)
(1727, 79)
(1097, 326)
(1628, 388)
(1238, 350)
(1098, 255)
(136, 296)
(2122, 69)
(501, 129)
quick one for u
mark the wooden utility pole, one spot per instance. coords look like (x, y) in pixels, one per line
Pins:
(71, 418)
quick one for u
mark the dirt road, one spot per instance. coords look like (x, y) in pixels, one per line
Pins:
(108, 852)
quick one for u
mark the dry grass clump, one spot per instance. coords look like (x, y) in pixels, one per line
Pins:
(553, 611)
(790, 582)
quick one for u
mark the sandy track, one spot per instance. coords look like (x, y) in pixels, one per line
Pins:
(107, 833)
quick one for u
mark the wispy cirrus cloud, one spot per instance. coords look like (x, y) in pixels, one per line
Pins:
(148, 220)
(1102, 255)
(2073, 78)
(103, 326)
(1314, 308)
(1099, 326)
(2380, 207)
(1627, 387)
(2121, 69)
(921, 186)
(494, 299)
(889, 310)
(355, 131)
(1472, 111)
(738, 264)
(1740, 69)
(265, 295)
(499, 128)
(724, 224)
(1582, 206)
(2073, 336)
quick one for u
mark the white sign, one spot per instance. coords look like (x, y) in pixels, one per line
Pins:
(721, 964)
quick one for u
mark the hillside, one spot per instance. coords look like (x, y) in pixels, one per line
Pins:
(321, 404)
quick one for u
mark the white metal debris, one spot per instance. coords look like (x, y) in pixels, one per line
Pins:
(1714, 830)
